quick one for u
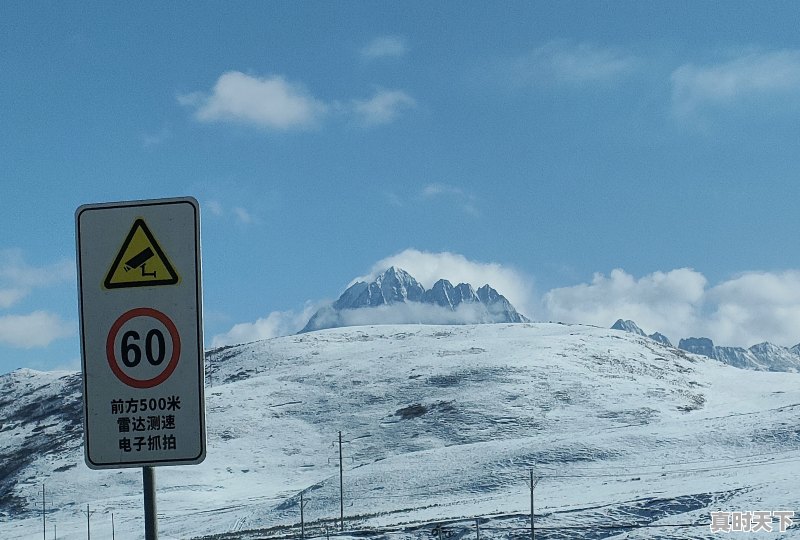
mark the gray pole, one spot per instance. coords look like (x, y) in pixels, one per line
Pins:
(302, 520)
(477, 529)
(113, 536)
(150, 518)
(88, 524)
(44, 517)
(341, 486)
(55, 532)
(533, 536)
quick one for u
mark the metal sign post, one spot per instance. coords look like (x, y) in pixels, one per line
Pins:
(140, 303)
(150, 515)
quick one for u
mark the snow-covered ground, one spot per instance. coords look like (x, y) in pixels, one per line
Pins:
(627, 439)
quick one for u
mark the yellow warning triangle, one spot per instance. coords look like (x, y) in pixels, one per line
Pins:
(140, 262)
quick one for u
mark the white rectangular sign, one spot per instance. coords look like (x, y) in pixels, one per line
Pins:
(140, 303)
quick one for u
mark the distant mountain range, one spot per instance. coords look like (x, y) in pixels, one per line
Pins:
(761, 357)
(397, 297)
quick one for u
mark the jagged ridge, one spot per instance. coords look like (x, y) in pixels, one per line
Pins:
(760, 357)
(633, 328)
(461, 304)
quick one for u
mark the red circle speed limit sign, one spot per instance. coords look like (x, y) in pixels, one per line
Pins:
(143, 347)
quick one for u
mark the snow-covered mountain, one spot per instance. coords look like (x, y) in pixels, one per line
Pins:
(761, 357)
(441, 426)
(395, 297)
(633, 328)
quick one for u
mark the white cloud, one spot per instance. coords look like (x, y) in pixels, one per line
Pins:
(434, 190)
(215, 207)
(276, 104)
(277, 323)
(393, 199)
(268, 102)
(759, 74)
(668, 302)
(238, 213)
(37, 329)
(455, 197)
(383, 107)
(242, 215)
(742, 311)
(570, 63)
(757, 306)
(10, 296)
(155, 139)
(71, 365)
(414, 313)
(428, 267)
(385, 46)
(18, 278)
(466, 201)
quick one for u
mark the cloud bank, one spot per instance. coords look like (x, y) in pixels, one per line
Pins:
(277, 323)
(427, 268)
(269, 102)
(453, 194)
(564, 62)
(37, 329)
(382, 108)
(668, 302)
(385, 47)
(755, 75)
(741, 311)
(18, 280)
(408, 313)
(274, 103)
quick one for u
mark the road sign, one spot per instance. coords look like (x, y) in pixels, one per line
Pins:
(141, 333)
(130, 267)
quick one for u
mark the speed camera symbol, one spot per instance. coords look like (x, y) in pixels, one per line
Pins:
(139, 261)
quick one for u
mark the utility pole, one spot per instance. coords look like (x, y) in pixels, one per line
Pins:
(341, 486)
(55, 532)
(88, 523)
(341, 481)
(477, 529)
(533, 485)
(44, 517)
(113, 536)
(302, 518)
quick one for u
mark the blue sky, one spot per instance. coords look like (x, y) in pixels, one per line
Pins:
(592, 160)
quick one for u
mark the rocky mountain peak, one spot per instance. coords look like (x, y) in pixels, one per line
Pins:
(395, 287)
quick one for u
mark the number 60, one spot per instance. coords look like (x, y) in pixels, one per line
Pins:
(131, 352)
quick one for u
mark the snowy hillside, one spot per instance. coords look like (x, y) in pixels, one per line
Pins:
(630, 439)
